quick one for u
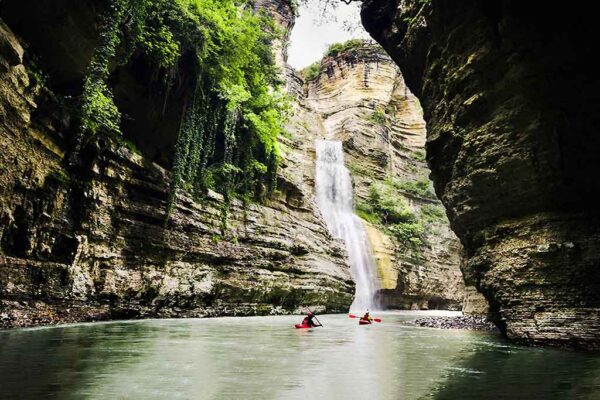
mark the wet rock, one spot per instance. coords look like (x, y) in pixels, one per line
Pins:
(511, 103)
(10, 48)
(472, 323)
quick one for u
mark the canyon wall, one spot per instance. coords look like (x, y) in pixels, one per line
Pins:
(360, 99)
(89, 242)
(511, 99)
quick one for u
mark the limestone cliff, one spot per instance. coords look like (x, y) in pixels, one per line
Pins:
(360, 98)
(89, 242)
(510, 94)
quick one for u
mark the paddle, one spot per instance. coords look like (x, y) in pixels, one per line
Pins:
(356, 316)
(320, 324)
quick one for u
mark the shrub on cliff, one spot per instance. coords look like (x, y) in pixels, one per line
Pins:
(391, 208)
(387, 208)
(312, 71)
(433, 214)
(420, 188)
(337, 48)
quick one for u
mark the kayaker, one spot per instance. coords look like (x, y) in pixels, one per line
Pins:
(308, 320)
(367, 317)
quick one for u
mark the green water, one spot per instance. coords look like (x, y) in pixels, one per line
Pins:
(264, 358)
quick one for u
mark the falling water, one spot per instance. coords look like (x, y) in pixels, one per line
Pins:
(334, 196)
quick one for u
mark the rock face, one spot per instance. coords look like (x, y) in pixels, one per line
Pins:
(511, 99)
(90, 243)
(360, 98)
(472, 323)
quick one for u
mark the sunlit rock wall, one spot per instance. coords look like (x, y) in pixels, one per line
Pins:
(352, 90)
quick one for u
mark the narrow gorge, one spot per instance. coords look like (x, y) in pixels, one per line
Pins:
(262, 199)
(510, 95)
(88, 243)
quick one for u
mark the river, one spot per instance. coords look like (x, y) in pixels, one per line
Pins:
(265, 358)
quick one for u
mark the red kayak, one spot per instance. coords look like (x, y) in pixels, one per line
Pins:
(363, 322)
(302, 326)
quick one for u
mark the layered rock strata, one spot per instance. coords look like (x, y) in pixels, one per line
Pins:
(90, 243)
(361, 99)
(511, 99)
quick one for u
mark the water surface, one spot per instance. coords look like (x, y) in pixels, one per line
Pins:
(265, 358)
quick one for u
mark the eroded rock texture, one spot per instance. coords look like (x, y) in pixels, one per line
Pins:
(511, 98)
(361, 99)
(89, 242)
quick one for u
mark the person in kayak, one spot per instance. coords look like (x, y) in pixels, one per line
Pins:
(308, 320)
(367, 317)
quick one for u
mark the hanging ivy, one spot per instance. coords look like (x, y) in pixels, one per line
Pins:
(219, 51)
(230, 144)
(98, 110)
(272, 171)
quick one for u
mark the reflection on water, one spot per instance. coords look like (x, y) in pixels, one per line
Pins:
(264, 358)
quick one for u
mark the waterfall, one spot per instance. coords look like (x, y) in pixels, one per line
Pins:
(334, 197)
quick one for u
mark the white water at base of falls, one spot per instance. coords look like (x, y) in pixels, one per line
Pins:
(334, 197)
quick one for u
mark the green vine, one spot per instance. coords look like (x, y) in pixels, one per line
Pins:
(219, 53)
(98, 110)
(228, 139)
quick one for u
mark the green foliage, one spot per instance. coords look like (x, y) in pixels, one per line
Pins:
(433, 214)
(98, 110)
(420, 188)
(159, 43)
(386, 207)
(418, 155)
(350, 45)
(237, 87)
(378, 117)
(360, 170)
(220, 51)
(409, 235)
(386, 202)
(37, 77)
(312, 71)
(366, 212)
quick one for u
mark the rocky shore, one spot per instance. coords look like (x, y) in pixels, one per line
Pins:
(472, 323)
